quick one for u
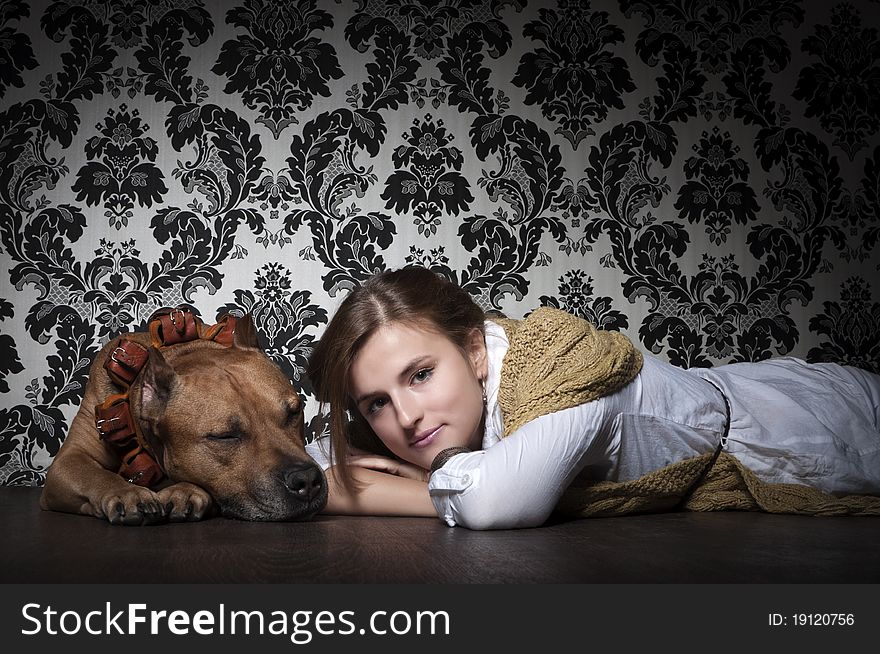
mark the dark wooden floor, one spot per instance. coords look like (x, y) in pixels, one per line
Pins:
(38, 546)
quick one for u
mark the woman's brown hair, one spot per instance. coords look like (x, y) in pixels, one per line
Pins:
(411, 296)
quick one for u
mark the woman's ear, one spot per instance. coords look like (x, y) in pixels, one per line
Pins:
(477, 354)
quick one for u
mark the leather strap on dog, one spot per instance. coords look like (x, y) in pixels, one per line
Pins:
(125, 362)
(113, 419)
(172, 326)
(223, 332)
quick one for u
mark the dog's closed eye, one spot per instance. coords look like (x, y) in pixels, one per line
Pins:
(225, 437)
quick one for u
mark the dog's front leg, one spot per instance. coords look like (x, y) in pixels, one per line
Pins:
(82, 479)
(76, 483)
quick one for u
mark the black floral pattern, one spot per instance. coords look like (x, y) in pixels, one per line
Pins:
(429, 182)
(279, 65)
(843, 87)
(691, 174)
(574, 77)
(850, 328)
(717, 191)
(123, 170)
(576, 296)
(16, 50)
(283, 314)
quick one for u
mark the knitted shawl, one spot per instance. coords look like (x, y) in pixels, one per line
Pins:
(557, 361)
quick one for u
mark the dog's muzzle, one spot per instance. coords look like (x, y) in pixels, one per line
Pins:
(295, 492)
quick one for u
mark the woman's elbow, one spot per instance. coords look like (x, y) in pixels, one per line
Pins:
(483, 514)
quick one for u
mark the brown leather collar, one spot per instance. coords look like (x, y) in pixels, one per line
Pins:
(113, 420)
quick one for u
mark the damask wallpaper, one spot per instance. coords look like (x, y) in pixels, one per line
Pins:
(704, 176)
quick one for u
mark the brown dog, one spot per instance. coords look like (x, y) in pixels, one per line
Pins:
(219, 424)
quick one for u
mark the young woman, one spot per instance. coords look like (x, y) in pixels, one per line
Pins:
(436, 410)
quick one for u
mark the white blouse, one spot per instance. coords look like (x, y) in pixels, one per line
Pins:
(791, 422)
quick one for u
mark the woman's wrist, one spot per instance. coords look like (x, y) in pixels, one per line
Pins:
(443, 456)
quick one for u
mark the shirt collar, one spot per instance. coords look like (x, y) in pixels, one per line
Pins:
(496, 348)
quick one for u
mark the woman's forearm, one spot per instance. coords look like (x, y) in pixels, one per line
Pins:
(381, 494)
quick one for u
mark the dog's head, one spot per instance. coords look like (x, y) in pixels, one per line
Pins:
(228, 420)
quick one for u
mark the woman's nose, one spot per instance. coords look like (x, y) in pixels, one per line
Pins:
(409, 412)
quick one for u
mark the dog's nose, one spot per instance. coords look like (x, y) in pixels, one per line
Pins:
(305, 480)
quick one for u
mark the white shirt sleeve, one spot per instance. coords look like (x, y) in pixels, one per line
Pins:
(320, 450)
(518, 481)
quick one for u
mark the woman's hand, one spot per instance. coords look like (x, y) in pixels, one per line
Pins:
(388, 465)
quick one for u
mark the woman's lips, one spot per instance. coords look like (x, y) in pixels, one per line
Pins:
(426, 437)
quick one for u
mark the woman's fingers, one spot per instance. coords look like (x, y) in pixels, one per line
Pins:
(391, 466)
(373, 462)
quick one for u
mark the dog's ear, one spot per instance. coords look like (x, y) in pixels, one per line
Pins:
(158, 383)
(245, 333)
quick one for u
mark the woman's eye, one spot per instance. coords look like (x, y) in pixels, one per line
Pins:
(375, 405)
(423, 375)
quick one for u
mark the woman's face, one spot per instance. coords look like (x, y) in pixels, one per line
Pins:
(419, 392)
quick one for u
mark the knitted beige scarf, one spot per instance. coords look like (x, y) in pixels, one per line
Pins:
(556, 361)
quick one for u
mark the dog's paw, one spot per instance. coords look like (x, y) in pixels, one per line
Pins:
(133, 506)
(184, 502)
